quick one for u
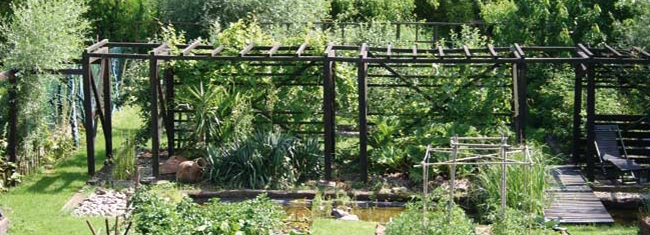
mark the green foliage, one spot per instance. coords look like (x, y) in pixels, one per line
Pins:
(264, 160)
(436, 220)
(43, 34)
(525, 189)
(447, 10)
(154, 214)
(125, 20)
(216, 115)
(518, 222)
(555, 22)
(467, 102)
(365, 11)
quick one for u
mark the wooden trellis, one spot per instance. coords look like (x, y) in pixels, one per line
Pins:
(480, 151)
(517, 57)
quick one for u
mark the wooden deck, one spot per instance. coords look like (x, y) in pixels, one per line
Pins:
(574, 202)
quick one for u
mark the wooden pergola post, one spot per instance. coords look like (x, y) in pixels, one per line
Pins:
(580, 70)
(329, 117)
(88, 113)
(362, 85)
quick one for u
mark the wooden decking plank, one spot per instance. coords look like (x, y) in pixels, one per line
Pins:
(573, 201)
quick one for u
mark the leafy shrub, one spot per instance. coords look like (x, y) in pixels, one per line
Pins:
(156, 214)
(518, 222)
(434, 221)
(264, 160)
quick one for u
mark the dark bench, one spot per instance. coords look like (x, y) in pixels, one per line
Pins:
(607, 139)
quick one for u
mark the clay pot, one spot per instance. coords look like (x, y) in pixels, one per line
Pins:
(190, 171)
(171, 165)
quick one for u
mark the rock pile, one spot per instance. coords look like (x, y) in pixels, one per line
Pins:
(103, 202)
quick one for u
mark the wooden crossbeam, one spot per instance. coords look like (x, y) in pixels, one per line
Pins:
(274, 49)
(389, 49)
(519, 50)
(96, 46)
(189, 48)
(643, 52)
(493, 53)
(329, 48)
(160, 48)
(614, 51)
(585, 50)
(246, 49)
(415, 52)
(467, 52)
(441, 52)
(301, 49)
(216, 51)
(363, 50)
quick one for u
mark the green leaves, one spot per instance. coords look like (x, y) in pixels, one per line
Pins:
(156, 214)
(268, 159)
(44, 34)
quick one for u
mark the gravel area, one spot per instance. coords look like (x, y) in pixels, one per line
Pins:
(104, 202)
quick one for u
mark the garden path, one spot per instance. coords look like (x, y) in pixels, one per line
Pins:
(573, 200)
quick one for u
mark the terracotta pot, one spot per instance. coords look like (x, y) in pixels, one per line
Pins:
(171, 165)
(190, 171)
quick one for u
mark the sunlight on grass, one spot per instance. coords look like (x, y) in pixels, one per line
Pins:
(602, 229)
(35, 206)
(330, 226)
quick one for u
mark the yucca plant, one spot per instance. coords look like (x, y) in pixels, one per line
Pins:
(267, 159)
(217, 116)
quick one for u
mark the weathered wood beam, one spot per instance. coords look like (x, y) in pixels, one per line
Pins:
(643, 52)
(519, 50)
(493, 53)
(585, 50)
(246, 49)
(96, 46)
(301, 49)
(189, 48)
(613, 51)
(274, 49)
(468, 54)
(389, 50)
(441, 52)
(415, 52)
(216, 51)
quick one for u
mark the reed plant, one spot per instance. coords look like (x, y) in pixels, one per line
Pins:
(525, 184)
(125, 159)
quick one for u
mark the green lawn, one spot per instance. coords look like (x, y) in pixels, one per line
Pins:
(35, 206)
(331, 227)
(602, 229)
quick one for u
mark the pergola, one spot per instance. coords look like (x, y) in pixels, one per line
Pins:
(97, 90)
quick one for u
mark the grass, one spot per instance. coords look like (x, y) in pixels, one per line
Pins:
(602, 229)
(35, 206)
(330, 226)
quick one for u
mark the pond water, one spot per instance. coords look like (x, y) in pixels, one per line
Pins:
(374, 214)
